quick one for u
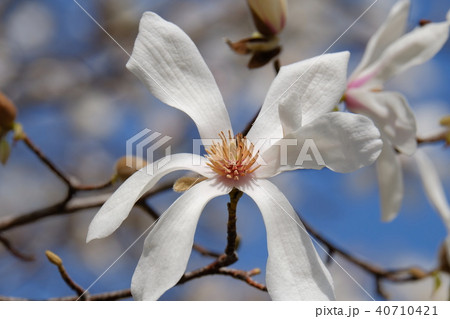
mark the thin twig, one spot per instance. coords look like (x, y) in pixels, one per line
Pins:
(46, 161)
(7, 244)
(107, 296)
(235, 273)
(441, 137)
(57, 261)
(379, 288)
(62, 208)
(205, 252)
(114, 295)
(244, 276)
(277, 65)
(93, 187)
(147, 208)
(65, 207)
(394, 275)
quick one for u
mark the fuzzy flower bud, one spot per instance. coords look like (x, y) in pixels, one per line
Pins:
(7, 113)
(445, 121)
(53, 258)
(269, 15)
(128, 165)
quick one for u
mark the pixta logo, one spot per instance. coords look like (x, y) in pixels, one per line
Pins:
(148, 142)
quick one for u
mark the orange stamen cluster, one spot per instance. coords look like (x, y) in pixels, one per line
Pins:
(232, 157)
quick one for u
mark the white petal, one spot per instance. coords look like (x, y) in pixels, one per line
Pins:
(294, 270)
(390, 30)
(166, 60)
(168, 246)
(306, 90)
(119, 205)
(343, 142)
(390, 112)
(414, 48)
(390, 180)
(433, 186)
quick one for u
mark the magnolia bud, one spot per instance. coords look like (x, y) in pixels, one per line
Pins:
(417, 273)
(184, 183)
(269, 15)
(128, 165)
(445, 121)
(7, 113)
(53, 258)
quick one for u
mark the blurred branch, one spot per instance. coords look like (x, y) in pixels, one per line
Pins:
(380, 274)
(73, 187)
(205, 252)
(67, 207)
(7, 244)
(126, 293)
(107, 296)
(62, 208)
(93, 187)
(147, 208)
(441, 137)
(277, 65)
(48, 163)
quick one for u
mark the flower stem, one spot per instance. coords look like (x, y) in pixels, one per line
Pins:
(235, 195)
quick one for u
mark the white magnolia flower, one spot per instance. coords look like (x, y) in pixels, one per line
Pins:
(298, 102)
(388, 53)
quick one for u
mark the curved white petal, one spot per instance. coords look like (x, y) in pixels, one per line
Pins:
(305, 90)
(390, 30)
(343, 142)
(433, 186)
(390, 112)
(414, 48)
(168, 246)
(166, 60)
(294, 270)
(119, 205)
(390, 180)
(271, 159)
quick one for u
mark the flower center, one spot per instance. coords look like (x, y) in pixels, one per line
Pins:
(232, 157)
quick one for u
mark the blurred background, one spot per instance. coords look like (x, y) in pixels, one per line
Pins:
(79, 104)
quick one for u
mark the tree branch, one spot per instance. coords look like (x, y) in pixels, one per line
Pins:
(56, 260)
(66, 207)
(393, 275)
(441, 137)
(7, 244)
